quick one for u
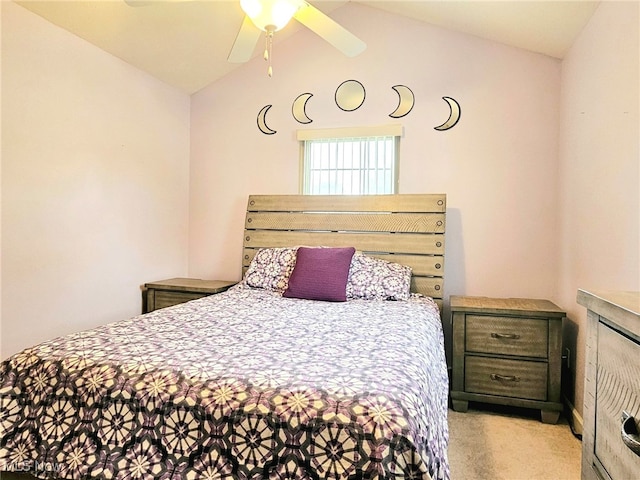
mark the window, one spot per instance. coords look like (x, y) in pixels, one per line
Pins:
(349, 165)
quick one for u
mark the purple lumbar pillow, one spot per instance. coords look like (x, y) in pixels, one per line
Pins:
(320, 274)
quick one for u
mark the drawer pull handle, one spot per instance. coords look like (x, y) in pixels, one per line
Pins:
(629, 433)
(509, 336)
(504, 378)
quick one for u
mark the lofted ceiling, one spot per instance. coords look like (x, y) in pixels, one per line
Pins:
(186, 43)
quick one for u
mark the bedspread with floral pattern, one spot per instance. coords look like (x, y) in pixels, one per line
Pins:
(240, 385)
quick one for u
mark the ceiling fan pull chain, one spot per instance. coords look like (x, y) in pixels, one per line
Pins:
(268, 50)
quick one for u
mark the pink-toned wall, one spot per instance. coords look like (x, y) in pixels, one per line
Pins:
(599, 174)
(498, 166)
(99, 194)
(95, 158)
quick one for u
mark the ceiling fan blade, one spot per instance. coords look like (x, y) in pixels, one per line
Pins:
(245, 42)
(330, 30)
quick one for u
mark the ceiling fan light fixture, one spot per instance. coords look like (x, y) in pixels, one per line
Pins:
(270, 14)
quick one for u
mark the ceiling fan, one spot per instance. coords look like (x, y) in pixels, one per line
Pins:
(269, 16)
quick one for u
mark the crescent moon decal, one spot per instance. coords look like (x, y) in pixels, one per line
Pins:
(454, 114)
(350, 95)
(298, 109)
(406, 101)
(262, 123)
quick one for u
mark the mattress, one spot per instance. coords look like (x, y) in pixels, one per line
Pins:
(245, 384)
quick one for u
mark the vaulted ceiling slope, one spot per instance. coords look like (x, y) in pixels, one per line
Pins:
(186, 43)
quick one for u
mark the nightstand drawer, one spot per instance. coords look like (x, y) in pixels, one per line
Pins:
(507, 378)
(167, 299)
(525, 337)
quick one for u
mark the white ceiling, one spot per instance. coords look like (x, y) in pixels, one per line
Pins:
(186, 43)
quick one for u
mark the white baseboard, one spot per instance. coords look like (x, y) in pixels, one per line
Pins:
(576, 418)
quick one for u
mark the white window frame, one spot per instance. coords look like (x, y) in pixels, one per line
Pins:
(363, 135)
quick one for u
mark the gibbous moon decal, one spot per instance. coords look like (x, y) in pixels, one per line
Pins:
(298, 109)
(350, 95)
(405, 101)
(454, 114)
(262, 122)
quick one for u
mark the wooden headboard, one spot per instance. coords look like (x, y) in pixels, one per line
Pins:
(407, 229)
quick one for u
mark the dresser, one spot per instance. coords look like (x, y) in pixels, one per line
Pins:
(507, 351)
(165, 293)
(611, 413)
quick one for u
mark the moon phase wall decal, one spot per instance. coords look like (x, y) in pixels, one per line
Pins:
(262, 121)
(350, 95)
(406, 100)
(454, 114)
(299, 108)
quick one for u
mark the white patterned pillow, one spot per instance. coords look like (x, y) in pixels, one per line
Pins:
(271, 268)
(372, 278)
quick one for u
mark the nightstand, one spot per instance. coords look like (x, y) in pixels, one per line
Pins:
(179, 290)
(507, 351)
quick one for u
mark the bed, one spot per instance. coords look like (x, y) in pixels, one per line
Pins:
(325, 361)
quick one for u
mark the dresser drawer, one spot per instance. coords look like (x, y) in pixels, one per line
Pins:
(167, 299)
(507, 378)
(526, 337)
(618, 390)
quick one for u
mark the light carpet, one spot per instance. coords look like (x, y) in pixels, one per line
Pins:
(498, 443)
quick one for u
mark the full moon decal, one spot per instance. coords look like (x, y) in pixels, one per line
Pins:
(350, 95)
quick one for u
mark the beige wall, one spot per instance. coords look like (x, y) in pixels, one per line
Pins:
(599, 168)
(498, 166)
(94, 182)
